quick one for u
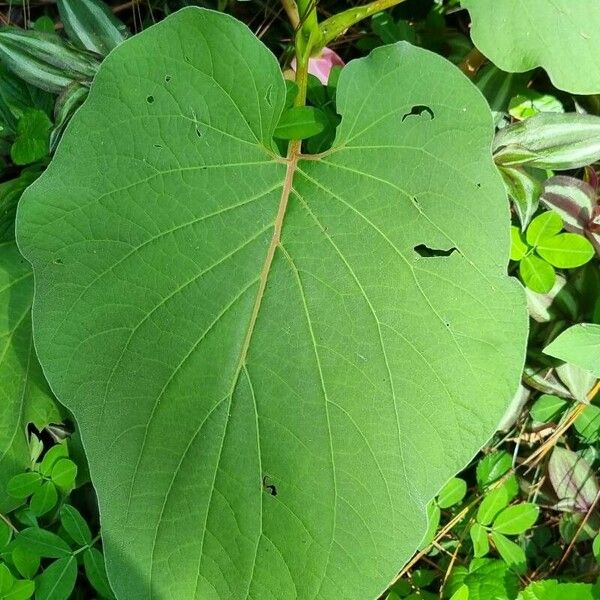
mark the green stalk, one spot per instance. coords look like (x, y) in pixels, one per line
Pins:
(337, 24)
(308, 34)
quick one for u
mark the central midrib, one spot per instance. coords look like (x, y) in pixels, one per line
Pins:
(292, 161)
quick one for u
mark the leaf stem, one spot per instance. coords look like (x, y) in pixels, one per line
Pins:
(8, 522)
(337, 24)
(291, 10)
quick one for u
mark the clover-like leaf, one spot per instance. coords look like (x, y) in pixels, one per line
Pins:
(274, 363)
(518, 36)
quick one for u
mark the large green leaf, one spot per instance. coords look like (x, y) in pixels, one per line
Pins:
(562, 36)
(24, 394)
(270, 380)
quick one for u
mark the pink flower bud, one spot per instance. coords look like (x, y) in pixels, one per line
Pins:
(320, 66)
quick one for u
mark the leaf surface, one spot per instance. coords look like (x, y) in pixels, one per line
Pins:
(24, 394)
(579, 345)
(271, 381)
(518, 36)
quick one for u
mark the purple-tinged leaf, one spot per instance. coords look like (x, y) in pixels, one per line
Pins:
(550, 141)
(577, 203)
(524, 189)
(572, 199)
(573, 480)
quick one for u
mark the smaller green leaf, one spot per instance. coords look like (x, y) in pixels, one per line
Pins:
(537, 274)
(516, 519)
(75, 525)
(32, 141)
(491, 467)
(479, 537)
(547, 408)
(300, 122)
(492, 504)
(518, 247)
(21, 590)
(566, 251)
(596, 548)
(5, 534)
(44, 24)
(26, 562)
(44, 499)
(58, 580)
(544, 226)
(452, 493)
(422, 577)
(512, 554)
(579, 345)
(24, 516)
(21, 486)
(7, 579)
(489, 579)
(64, 473)
(550, 589)
(36, 447)
(529, 103)
(43, 543)
(587, 424)
(462, 593)
(95, 570)
(57, 451)
(433, 522)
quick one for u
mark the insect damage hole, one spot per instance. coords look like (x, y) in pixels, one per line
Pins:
(269, 487)
(418, 110)
(150, 99)
(427, 252)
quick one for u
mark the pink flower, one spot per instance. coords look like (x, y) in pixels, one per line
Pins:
(320, 66)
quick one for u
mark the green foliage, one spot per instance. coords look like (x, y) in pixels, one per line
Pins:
(282, 479)
(32, 137)
(579, 345)
(47, 552)
(544, 248)
(556, 35)
(308, 389)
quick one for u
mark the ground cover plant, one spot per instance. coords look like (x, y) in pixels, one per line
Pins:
(299, 300)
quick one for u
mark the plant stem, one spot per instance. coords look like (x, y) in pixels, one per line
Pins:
(308, 32)
(336, 25)
(8, 522)
(472, 63)
(291, 10)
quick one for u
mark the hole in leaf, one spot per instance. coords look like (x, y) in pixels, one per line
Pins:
(198, 132)
(58, 261)
(478, 185)
(187, 59)
(158, 146)
(269, 487)
(418, 110)
(427, 252)
(150, 99)
(167, 78)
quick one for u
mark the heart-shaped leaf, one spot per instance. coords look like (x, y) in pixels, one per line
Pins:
(518, 36)
(275, 363)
